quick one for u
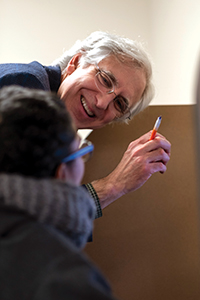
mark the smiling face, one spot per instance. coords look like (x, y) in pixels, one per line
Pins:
(88, 105)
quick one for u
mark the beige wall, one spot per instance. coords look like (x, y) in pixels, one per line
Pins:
(147, 242)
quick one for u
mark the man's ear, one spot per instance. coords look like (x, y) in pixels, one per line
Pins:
(73, 63)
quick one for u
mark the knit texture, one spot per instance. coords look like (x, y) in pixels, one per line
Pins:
(53, 202)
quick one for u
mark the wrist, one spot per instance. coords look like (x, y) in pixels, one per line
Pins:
(107, 191)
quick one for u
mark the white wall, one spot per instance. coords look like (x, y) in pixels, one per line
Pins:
(42, 29)
(175, 48)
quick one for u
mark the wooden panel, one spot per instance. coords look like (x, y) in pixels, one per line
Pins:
(147, 242)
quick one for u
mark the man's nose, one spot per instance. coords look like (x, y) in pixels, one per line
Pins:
(103, 100)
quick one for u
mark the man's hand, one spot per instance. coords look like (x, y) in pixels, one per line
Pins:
(141, 159)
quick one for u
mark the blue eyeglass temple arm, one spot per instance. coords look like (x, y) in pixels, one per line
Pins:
(79, 153)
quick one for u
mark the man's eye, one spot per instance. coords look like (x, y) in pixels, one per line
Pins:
(120, 104)
(105, 81)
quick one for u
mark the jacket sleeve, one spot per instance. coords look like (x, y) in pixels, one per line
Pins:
(32, 75)
(22, 79)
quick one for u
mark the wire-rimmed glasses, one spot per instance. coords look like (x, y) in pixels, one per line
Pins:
(105, 84)
(85, 151)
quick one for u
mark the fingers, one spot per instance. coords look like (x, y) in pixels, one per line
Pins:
(158, 156)
(158, 167)
(156, 152)
(160, 142)
(144, 144)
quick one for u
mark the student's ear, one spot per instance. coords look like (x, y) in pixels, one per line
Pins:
(62, 172)
(73, 64)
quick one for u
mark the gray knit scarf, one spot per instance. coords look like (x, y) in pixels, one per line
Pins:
(51, 201)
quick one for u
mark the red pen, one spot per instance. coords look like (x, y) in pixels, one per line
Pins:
(155, 129)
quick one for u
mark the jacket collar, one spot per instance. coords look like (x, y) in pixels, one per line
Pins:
(50, 201)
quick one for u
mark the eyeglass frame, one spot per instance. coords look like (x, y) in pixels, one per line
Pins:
(80, 152)
(100, 71)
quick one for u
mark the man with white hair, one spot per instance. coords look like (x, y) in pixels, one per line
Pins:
(102, 79)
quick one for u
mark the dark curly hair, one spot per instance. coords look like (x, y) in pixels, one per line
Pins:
(36, 131)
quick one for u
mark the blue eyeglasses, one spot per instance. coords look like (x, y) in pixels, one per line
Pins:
(85, 151)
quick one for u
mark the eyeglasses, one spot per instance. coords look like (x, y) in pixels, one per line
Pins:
(85, 151)
(105, 84)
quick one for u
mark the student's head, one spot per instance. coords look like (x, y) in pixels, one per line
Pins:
(36, 134)
(93, 100)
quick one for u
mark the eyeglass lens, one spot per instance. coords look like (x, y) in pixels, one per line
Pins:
(88, 155)
(104, 83)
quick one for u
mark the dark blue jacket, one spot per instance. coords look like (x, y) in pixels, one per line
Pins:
(32, 75)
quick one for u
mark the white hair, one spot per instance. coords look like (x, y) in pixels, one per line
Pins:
(99, 45)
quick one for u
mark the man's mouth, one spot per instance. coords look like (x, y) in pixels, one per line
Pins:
(86, 108)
